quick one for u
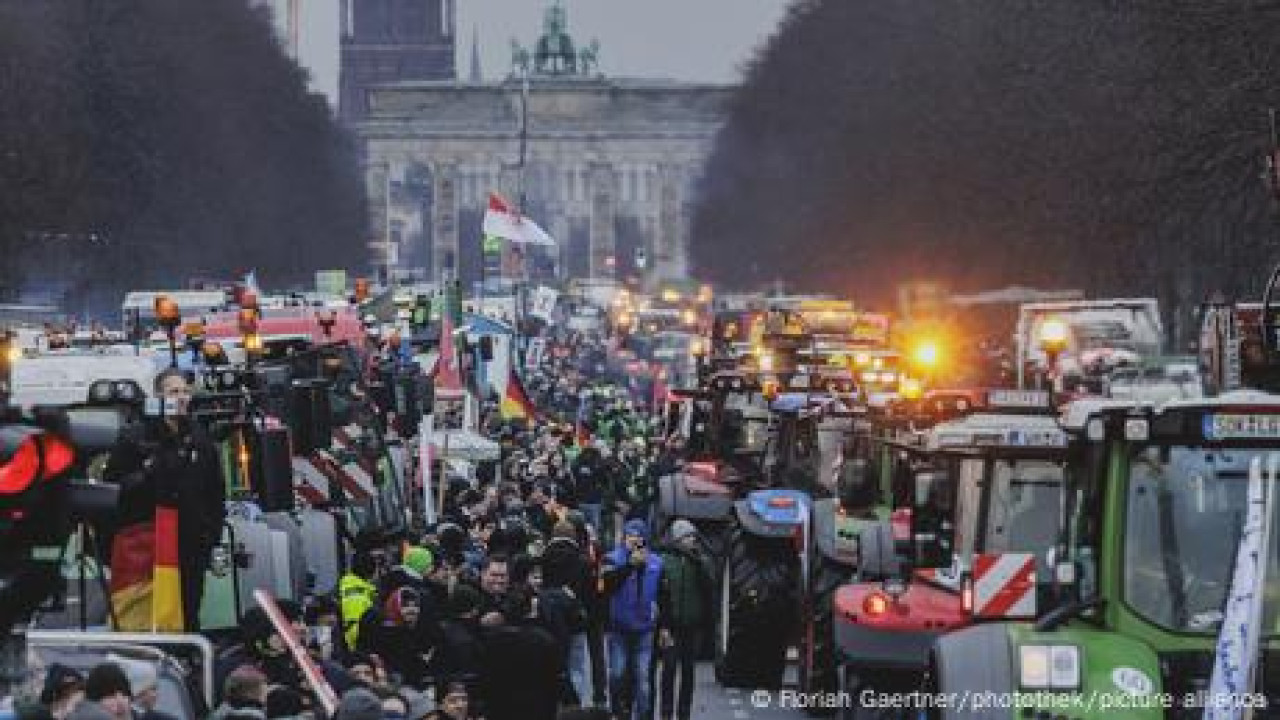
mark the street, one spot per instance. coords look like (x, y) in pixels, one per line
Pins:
(712, 702)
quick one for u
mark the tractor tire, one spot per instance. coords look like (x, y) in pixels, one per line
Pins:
(758, 604)
(818, 672)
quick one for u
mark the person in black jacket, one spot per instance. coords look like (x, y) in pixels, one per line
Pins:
(459, 655)
(591, 483)
(174, 462)
(394, 633)
(519, 669)
(567, 569)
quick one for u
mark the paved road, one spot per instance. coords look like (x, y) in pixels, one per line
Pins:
(711, 702)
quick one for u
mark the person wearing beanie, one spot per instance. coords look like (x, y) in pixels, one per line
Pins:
(359, 704)
(107, 686)
(395, 632)
(688, 608)
(634, 584)
(415, 567)
(144, 681)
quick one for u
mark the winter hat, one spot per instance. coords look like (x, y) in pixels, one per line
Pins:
(419, 559)
(359, 704)
(106, 679)
(58, 681)
(142, 675)
(681, 529)
(636, 528)
(404, 596)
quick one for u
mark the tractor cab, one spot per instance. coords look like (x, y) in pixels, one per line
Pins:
(1167, 569)
(984, 475)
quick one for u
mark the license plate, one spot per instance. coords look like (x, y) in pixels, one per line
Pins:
(1231, 426)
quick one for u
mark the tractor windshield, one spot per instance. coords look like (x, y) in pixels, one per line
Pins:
(1184, 514)
(1025, 507)
(1021, 511)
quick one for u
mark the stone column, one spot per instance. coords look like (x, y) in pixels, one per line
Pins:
(670, 205)
(444, 221)
(604, 207)
(560, 231)
(376, 174)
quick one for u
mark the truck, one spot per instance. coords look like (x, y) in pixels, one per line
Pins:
(1082, 330)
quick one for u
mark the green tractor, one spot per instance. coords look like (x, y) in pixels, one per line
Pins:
(1148, 587)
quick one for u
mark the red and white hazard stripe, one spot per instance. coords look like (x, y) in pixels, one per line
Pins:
(1004, 585)
(317, 470)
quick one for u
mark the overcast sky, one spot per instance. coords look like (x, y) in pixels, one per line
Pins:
(705, 40)
(701, 40)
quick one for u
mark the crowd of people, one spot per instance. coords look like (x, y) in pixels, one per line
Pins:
(542, 590)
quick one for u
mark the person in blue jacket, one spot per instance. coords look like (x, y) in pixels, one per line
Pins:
(635, 587)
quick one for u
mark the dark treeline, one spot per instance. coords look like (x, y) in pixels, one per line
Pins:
(1112, 145)
(177, 134)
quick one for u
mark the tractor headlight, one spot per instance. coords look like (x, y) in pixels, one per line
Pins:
(1137, 430)
(1049, 667)
(102, 392)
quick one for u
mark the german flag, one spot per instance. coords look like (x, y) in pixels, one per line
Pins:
(132, 563)
(166, 600)
(515, 401)
(146, 583)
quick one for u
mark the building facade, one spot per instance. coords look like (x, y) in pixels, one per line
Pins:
(385, 41)
(610, 166)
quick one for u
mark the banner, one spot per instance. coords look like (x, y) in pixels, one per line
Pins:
(542, 303)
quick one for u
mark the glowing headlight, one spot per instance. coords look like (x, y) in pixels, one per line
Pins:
(1049, 667)
(869, 377)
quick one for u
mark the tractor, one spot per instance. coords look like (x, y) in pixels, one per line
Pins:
(1158, 500)
(984, 472)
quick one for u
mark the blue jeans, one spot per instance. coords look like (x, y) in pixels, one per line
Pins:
(580, 669)
(630, 655)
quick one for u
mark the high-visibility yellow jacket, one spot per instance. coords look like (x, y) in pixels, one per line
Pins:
(355, 596)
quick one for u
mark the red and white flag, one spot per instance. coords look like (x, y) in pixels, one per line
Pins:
(500, 220)
(448, 376)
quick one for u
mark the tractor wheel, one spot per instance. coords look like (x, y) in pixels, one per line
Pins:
(757, 598)
(818, 673)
